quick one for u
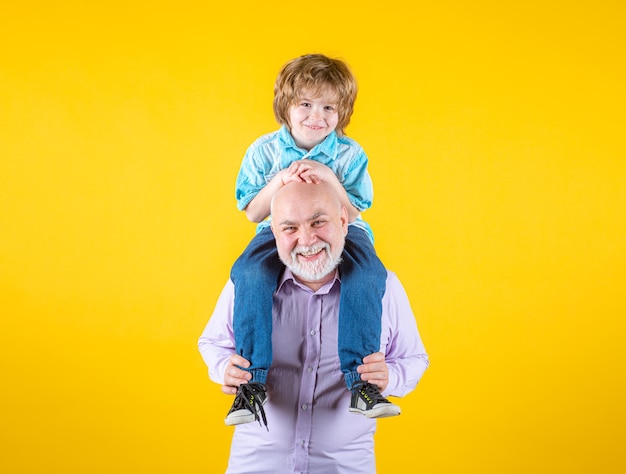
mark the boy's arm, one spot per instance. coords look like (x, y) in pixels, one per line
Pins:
(355, 191)
(353, 212)
(259, 208)
(309, 171)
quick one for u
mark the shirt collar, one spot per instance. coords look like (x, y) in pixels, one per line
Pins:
(327, 147)
(288, 276)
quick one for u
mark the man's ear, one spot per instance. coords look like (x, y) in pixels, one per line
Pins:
(344, 220)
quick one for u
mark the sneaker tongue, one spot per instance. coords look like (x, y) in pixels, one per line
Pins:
(252, 400)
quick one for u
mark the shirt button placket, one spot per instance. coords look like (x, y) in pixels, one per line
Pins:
(307, 388)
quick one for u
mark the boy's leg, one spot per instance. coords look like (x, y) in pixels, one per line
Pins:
(363, 283)
(255, 275)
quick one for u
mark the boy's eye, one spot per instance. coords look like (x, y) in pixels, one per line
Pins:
(330, 108)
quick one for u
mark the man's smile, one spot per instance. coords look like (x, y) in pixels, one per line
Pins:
(310, 255)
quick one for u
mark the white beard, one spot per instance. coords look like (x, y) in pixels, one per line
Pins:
(313, 271)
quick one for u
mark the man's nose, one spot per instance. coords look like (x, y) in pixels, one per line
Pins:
(307, 237)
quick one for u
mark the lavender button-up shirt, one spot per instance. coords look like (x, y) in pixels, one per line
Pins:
(310, 427)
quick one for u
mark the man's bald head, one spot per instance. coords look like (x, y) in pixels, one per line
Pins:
(301, 191)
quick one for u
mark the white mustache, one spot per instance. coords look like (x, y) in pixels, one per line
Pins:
(318, 268)
(307, 251)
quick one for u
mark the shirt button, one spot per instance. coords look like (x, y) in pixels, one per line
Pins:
(309, 369)
(312, 332)
(304, 407)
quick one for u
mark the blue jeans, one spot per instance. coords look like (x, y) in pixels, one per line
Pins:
(255, 275)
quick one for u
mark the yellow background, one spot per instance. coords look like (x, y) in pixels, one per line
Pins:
(495, 133)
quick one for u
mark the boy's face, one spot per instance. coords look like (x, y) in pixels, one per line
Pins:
(312, 119)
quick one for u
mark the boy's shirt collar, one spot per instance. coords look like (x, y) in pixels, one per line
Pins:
(327, 147)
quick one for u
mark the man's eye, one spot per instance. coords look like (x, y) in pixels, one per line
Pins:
(318, 223)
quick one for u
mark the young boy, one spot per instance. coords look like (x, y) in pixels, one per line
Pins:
(313, 101)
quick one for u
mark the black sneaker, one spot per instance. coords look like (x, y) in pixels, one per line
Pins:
(367, 400)
(248, 403)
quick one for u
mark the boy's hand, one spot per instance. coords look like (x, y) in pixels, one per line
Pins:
(311, 171)
(289, 175)
(234, 376)
(374, 370)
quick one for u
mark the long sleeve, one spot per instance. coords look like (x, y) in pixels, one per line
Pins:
(307, 407)
(217, 342)
(401, 342)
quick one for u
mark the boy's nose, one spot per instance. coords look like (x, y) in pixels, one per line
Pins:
(316, 112)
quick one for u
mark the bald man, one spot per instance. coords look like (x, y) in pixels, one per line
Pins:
(311, 429)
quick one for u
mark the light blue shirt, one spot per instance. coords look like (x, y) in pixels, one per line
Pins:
(310, 427)
(277, 150)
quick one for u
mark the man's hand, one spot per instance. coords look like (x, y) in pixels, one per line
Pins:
(374, 370)
(234, 376)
